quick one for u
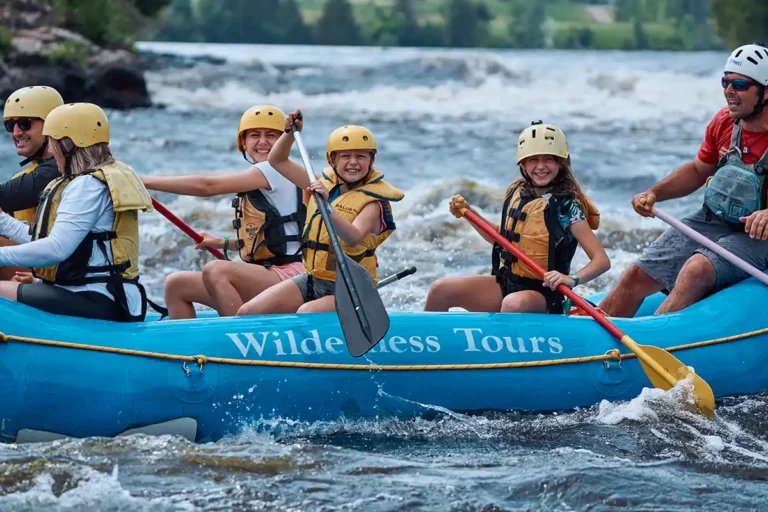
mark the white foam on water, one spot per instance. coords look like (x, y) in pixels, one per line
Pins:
(94, 490)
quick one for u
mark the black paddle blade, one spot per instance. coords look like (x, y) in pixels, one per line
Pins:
(365, 326)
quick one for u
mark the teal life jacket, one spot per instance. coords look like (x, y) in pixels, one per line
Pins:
(737, 189)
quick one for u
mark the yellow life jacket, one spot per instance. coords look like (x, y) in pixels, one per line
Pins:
(261, 229)
(531, 224)
(318, 260)
(129, 196)
(27, 215)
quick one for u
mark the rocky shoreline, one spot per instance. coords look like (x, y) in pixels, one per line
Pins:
(42, 54)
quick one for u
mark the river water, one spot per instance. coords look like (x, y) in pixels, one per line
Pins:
(446, 122)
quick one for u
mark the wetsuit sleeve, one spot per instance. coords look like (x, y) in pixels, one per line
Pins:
(83, 202)
(24, 191)
(14, 229)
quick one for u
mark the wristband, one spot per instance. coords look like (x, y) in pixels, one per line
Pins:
(226, 248)
(575, 278)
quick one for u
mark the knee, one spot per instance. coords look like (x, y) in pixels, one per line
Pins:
(174, 283)
(215, 271)
(443, 287)
(513, 303)
(698, 269)
(633, 275)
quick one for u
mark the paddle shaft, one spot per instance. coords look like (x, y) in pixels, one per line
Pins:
(477, 221)
(197, 237)
(709, 244)
(341, 259)
(397, 277)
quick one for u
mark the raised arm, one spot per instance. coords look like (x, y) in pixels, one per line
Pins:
(279, 155)
(209, 186)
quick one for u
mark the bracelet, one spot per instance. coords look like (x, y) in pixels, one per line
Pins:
(575, 278)
(226, 248)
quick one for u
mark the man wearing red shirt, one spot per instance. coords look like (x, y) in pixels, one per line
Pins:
(735, 216)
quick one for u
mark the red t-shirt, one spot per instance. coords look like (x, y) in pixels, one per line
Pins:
(717, 141)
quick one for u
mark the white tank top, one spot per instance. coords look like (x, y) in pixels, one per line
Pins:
(283, 197)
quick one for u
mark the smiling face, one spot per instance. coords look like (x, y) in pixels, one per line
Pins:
(542, 169)
(352, 165)
(259, 142)
(741, 104)
(28, 142)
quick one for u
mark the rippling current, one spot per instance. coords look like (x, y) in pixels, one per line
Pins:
(446, 122)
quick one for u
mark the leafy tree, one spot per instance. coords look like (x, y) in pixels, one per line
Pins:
(525, 29)
(337, 25)
(741, 21)
(291, 23)
(463, 29)
(641, 38)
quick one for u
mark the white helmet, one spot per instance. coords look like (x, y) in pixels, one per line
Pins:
(750, 60)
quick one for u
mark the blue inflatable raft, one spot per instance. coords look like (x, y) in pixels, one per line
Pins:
(207, 378)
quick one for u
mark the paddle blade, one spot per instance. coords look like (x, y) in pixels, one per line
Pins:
(675, 369)
(371, 314)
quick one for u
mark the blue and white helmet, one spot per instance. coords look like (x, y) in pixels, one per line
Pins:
(750, 60)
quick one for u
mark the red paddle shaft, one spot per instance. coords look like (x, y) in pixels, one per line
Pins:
(197, 237)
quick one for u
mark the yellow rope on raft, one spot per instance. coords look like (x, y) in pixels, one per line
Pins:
(202, 360)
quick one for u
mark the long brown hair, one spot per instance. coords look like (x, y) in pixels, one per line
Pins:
(564, 183)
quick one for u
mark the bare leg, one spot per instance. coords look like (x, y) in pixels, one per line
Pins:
(527, 301)
(323, 305)
(284, 297)
(696, 279)
(231, 283)
(7, 273)
(181, 290)
(627, 296)
(9, 290)
(473, 293)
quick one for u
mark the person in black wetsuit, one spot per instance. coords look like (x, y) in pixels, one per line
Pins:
(23, 116)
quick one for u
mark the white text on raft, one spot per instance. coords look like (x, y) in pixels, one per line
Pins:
(286, 343)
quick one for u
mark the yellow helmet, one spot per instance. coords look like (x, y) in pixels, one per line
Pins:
(350, 137)
(260, 116)
(85, 123)
(542, 139)
(35, 101)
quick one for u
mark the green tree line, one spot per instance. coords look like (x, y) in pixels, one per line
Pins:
(638, 24)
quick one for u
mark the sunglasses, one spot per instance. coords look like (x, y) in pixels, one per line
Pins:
(738, 84)
(24, 123)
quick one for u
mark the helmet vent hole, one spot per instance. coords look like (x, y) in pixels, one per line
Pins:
(365, 138)
(98, 123)
(345, 139)
(757, 52)
(753, 61)
(270, 113)
(257, 113)
(534, 134)
(739, 53)
(17, 100)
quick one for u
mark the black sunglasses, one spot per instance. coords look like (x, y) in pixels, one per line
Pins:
(24, 123)
(738, 84)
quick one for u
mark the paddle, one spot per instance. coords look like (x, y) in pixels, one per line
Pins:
(364, 322)
(661, 367)
(396, 277)
(709, 244)
(197, 237)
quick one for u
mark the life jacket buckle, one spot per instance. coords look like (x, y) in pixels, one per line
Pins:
(236, 223)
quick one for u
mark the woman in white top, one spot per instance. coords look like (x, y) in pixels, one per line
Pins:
(269, 216)
(84, 243)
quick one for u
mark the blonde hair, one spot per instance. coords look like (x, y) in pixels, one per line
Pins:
(81, 160)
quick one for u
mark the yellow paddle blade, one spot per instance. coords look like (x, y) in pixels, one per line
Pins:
(668, 370)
